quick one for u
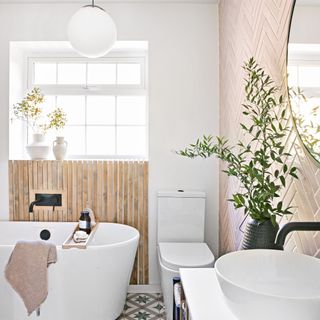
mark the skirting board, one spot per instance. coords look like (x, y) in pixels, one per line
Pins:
(150, 288)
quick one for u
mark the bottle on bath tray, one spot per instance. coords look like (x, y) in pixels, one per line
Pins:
(91, 214)
(85, 221)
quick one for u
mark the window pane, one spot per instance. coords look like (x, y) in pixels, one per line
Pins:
(75, 136)
(101, 73)
(309, 77)
(101, 110)
(47, 106)
(71, 73)
(131, 140)
(74, 107)
(131, 110)
(100, 140)
(129, 73)
(45, 73)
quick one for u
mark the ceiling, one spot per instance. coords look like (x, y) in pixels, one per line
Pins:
(102, 1)
(299, 2)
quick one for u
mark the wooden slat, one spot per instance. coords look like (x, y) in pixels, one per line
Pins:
(30, 181)
(109, 191)
(21, 198)
(120, 193)
(16, 191)
(35, 176)
(69, 192)
(125, 193)
(144, 231)
(54, 175)
(105, 191)
(135, 185)
(80, 206)
(45, 175)
(117, 191)
(65, 188)
(99, 190)
(85, 184)
(11, 191)
(25, 192)
(74, 192)
(140, 221)
(114, 192)
(40, 172)
(129, 197)
(90, 183)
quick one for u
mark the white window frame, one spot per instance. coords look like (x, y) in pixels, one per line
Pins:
(311, 91)
(122, 57)
(300, 57)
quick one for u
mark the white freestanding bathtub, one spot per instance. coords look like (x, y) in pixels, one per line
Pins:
(84, 283)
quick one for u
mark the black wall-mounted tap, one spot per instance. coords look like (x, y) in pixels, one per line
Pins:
(44, 199)
(32, 204)
(294, 226)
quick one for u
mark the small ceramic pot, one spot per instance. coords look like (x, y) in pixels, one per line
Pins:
(60, 148)
(38, 148)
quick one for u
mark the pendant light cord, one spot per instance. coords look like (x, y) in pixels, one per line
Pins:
(92, 5)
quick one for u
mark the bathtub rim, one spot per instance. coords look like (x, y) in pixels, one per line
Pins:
(135, 237)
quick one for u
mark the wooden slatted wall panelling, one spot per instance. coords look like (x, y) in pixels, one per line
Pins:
(117, 191)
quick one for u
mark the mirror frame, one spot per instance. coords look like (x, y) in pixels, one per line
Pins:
(304, 148)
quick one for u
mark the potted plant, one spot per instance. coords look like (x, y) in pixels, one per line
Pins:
(57, 121)
(257, 161)
(29, 110)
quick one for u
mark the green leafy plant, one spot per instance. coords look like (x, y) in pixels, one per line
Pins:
(57, 119)
(29, 110)
(259, 160)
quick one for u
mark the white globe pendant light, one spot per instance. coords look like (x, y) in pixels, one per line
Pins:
(91, 31)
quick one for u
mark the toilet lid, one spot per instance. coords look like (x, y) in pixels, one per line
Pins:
(185, 255)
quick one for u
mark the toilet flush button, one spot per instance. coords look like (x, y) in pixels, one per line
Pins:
(180, 190)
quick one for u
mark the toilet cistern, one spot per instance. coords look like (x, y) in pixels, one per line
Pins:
(181, 220)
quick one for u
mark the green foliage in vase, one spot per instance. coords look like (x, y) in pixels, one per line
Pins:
(29, 110)
(57, 119)
(259, 160)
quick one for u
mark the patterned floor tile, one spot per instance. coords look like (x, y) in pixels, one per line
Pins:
(143, 306)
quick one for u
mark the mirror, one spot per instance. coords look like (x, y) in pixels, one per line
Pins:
(304, 73)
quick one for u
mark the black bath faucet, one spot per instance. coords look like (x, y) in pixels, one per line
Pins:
(44, 199)
(32, 204)
(294, 226)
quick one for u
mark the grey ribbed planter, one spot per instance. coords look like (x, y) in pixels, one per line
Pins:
(259, 236)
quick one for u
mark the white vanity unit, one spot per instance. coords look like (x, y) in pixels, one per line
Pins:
(203, 295)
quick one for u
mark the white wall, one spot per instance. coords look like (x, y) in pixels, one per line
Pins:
(183, 95)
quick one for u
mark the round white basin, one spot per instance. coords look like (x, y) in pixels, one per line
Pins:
(270, 284)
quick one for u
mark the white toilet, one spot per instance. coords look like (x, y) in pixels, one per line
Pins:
(181, 218)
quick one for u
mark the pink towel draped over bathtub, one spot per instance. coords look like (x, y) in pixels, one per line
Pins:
(26, 271)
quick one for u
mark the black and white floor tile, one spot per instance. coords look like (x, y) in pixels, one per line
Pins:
(143, 306)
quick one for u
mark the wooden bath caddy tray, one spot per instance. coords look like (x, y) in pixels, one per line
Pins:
(70, 243)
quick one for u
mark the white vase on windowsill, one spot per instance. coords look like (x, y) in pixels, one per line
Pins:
(38, 149)
(60, 148)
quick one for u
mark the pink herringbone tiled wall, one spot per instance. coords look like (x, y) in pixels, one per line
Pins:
(260, 28)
